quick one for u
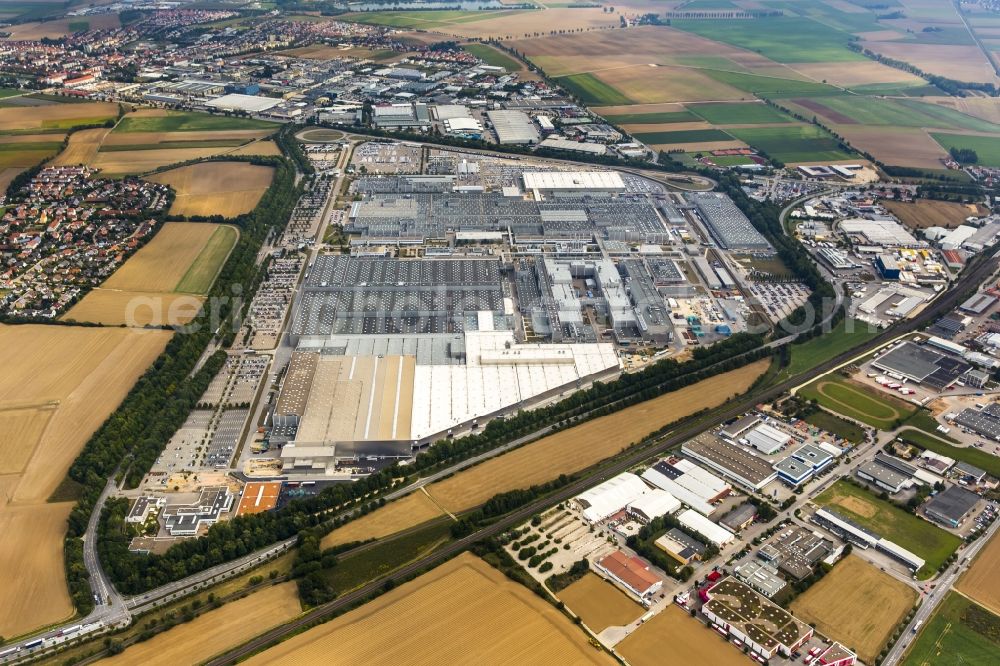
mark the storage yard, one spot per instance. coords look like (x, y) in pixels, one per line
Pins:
(465, 599)
(857, 605)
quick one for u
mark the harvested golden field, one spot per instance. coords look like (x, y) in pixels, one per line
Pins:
(524, 24)
(962, 63)
(857, 74)
(638, 108)
(857, 605)
(485, 617)
(413, 509)
(57, 387)
(62, 27)
(655, 85)
(987, 108)
(981, 582)
(20, 432)
(896, 146)
(261, 147)
(599, 603)
(565, 452)
(153, 138)
(135, 308)
(82, 147)
(34, 592)
(216, 630)
(216, 188)
(161, 263)
(930, 213)
(56, 116)
(700, 146)
(672, 632)
(7, 174)
(122, 162)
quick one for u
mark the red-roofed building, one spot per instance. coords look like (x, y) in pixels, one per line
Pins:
(631, 572)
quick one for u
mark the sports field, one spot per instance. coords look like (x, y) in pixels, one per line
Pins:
(981, 581)
(164, 281)
(672, 632)
(57, 386)
(486, 617)
(918, 536)
(565, 452)
(216, 188)
(857, 605)
(599, 603)
(987, 147)
(959, 633)
(216, 630)
(859, 402)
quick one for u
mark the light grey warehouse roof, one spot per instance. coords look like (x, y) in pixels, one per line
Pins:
(513, 127)
(726, 222)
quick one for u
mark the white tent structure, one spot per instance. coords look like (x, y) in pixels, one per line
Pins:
(611, 496)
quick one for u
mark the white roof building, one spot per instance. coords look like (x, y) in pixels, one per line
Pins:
(689, 498)
(716, 534)
(654, 504)
(555, 181)
(767, 439)
(250, 103)
(611, 496)
(513, 127)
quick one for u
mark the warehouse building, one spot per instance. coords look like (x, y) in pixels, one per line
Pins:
(969, 473)
(694, 521)
(984, 421)
(739, 518)
(766, 628)
(795, 551)
(886, 472)
(879, 233)
(630, 572)
(951, 506)
(727, 224)
(662, 481)
(767, 439)
(548, 182)
(681, 546)
(513, 127)
(741, 425)
(652, 505)
(730, 460)
(922, 365)
(848, 530)
(761, 577)
(248, 103)
(610, 497)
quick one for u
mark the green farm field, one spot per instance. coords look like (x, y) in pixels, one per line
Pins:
(987, 147)
(784, 39)
(817, 350)
(770, 86)
(793, 143)
(492, 56)
(896, 112)
(721, 113)
(201, 274)
(424, 19)
(663, 118)
(959, 633)
(592, 91)
(185, 121)
(918, 536)
(858, 402)
(683, 136)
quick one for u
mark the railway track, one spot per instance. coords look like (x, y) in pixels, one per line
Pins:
(971, 279)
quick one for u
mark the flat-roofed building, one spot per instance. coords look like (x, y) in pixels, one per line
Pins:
(716, 534)
(570, 181)
(681, 546)
(767, 439)
(766, 628)
(513, 127)
(795, 551)
(730, 460)
(951, 506)
(739, 518)
(761, 577)
(631, 572)
(653, 505)
(610, 497)
(741, 425)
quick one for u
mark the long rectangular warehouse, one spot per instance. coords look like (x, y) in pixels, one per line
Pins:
(716, 534)
(730, 460)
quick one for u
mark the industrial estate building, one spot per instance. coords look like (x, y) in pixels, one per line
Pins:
(951, 506)
(864, 538)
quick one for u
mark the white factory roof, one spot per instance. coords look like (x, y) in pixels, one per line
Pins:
(680, 492)
(462, 125)
(251, 103)
(957, 236)
(513, 127)
(767, 439)
(573, 180)
(655, 503)
(451, 111)
(880, 232)
(714, 483)
(611, 496)
(717, 534)
(498, 374)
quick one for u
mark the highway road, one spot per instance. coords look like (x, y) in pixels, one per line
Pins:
(972, 277)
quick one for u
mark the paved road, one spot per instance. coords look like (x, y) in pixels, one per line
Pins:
(934, 599)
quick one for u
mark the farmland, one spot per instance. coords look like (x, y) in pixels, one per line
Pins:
(794, 143)
(652, 118)
(857, 605)
(82, 147)
(58, 386)
(216, 630)
(591, 90)
(183, 258)
(493, 56)
(63, 27)
(981, 582)
(599, 603)
(918, 536)
(959, 633)
(930, 213)
(486, 617)
(720, 113)
(186, 121)
(216, 188)
(672, 632)
(848, 334)
(565, 452)
(987, 147)
(56, 117)
(782, 39)
(683, 136)
(858, 402)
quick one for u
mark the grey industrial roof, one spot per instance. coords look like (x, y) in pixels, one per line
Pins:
(880, 472)
(983, 422)
(735, 518)
(970, 470)
(952, 503)
(727, 223)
